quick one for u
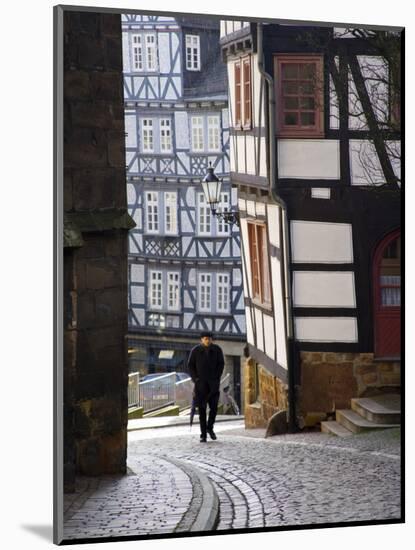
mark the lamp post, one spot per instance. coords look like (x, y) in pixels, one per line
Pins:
(211, 187)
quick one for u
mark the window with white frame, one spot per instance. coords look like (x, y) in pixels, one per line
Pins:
(206, 133)
(151, 52)
(173, 290)
(224, 206)
(147, 135)
(192, 52)
(152, 211)
(222, 292)
(213, 124)
(165, 135)
(197, 133)
(138, 63)
(144, 52)
(156, 278)
(204, 216)
(156, 135)
(205, 292)
(170, 212)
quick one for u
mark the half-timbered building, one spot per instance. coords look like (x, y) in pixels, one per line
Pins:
(315, 155)
(184, 264)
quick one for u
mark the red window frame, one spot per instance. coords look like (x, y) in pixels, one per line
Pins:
(303, 97)
(243, 93)
(258, 251)
(238, 94)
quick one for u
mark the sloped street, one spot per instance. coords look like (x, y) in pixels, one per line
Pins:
(240, 481)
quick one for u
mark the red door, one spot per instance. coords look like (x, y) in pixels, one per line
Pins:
(387, 286)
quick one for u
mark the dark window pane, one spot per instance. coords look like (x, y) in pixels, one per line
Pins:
(291, 119)
(307, 103)
(289, 70)
(307, 119)
(290, 88)
(291, 103)
(307, 88)
(307, 71)
(391, 251)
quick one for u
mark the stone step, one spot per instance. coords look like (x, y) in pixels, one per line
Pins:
(356, 423)
(380, 409)
(334, 428)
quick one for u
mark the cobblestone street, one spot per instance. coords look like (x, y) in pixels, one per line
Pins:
(254, 482)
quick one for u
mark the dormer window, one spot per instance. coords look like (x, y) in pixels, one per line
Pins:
(299, 95)
(192, 52)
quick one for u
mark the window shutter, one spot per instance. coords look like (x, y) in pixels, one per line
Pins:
(238, 94)
(247, 92)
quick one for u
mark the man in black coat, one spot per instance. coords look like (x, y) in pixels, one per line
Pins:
(205, 366)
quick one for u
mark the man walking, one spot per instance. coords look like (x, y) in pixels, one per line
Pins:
(205, 366)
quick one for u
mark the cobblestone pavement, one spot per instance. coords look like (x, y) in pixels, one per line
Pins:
(135, 504)
(306, 478)
(293, 479)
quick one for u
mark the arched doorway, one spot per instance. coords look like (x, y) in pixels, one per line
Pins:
(387, 299)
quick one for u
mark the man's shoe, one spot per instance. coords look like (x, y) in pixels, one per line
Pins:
(212, 434)
(202, 439)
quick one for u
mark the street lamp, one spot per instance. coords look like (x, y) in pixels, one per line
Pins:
(211, 187)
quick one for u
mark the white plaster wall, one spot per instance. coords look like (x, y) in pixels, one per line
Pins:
(334, 106)
(131, 130)
(280, 329)
(181, 127)
(357, 119)
(137, 81)
(263, 159)
(259, 329)
(247, 276)
(137, 295)
(365, 166)
(308, 159)
(250, 155)
(375, 71)
(242, 205)
(139, 313)
(137, 273)
(324, 289)
(249, 331)
(250, 208)
(273, 221)
(269, 331)
(260, 208)
(131, 194)
(126, 61)
(164, 52)
(318, 242)
(320, 192)
(175, 43)
(240, 144)
(187, 319)
(326, 329)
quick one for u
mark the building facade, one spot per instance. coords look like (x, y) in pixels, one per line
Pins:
(184, 264)
(315, 155)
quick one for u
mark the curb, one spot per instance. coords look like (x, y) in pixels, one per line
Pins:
(203, 512)
(133, 428)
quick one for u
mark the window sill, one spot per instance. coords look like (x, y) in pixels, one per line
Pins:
(300, 135)
(267, 308)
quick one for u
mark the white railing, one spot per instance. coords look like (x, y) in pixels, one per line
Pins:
(163, 391)
(133, 380)
(158, 392)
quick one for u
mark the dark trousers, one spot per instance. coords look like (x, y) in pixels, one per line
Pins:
(207, 393)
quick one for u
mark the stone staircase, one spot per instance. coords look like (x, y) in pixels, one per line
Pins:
(366, 413)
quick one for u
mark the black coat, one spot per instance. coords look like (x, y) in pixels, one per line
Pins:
(206, 363)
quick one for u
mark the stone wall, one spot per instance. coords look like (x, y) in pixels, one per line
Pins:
(330, 380)
(95, 259)
(263, 401)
